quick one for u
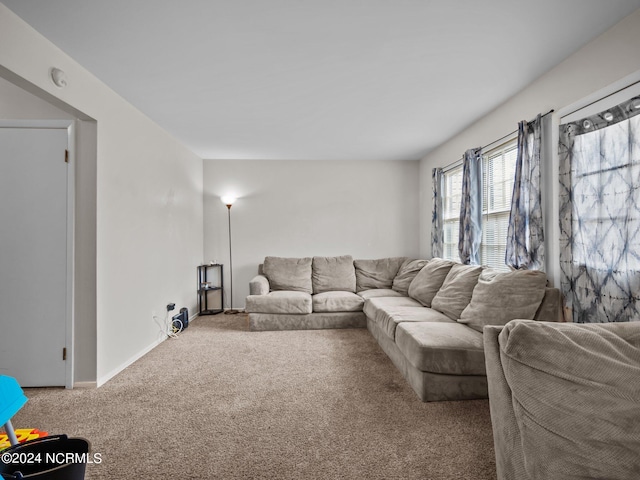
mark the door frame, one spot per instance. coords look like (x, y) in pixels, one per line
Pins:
(69, 126)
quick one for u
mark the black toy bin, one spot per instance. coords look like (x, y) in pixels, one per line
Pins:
(56, 457)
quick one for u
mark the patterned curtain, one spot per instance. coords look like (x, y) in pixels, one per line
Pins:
(437, 232)
(471, 208)
(525, 236)
(600, 215)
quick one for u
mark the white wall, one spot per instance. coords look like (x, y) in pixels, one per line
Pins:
(603, 65)
(148, 199)
(18, 104)
(367, 209)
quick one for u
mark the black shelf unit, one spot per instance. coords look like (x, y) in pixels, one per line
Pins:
(210, 279)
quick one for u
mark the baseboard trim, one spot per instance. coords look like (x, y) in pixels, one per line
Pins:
(85, 385)
(108, 376)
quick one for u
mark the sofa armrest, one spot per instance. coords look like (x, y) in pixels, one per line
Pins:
(259, 285)
(506, 434)
(551, 308)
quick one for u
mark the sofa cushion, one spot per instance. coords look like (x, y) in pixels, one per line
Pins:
(376, 273)
(408, 271)
(442, 347)
(372, 305)
(391, 316)
(379, 292)
(337, 302)
(279, 302)
(575, 394)
(292, 274)
(455, 293)
(503, 296)
(429, 279)
(329, 274)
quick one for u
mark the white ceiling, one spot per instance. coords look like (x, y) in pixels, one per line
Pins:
(318, 79)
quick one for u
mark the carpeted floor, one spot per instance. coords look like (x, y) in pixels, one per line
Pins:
(220, 402)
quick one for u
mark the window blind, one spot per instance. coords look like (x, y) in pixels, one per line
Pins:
(498, 171)
(452, 197)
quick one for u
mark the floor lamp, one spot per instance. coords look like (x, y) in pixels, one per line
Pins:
(228, 201)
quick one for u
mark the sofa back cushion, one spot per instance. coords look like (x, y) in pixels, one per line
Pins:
(288, 273)
(330, 274)
(377, 273)
(408, 271)
(500, 297)
(455, 293)
(429, 279)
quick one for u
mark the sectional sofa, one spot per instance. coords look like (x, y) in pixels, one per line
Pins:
(426, 315)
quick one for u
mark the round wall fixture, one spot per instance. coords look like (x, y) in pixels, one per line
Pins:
(58, 77)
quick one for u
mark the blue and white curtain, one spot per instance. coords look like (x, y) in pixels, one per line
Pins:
(525, 236)
(437, 232)
(470, 235)
(600, 215)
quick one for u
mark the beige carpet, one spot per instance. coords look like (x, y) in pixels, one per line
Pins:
(221, 402)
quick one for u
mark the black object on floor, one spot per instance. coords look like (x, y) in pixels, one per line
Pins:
(56, 457)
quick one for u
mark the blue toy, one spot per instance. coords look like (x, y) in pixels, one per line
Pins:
(12, 399)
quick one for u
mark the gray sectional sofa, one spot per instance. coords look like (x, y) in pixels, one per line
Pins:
(427, 315)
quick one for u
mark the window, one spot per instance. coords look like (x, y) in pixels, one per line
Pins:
(498, 172)
(452, 195)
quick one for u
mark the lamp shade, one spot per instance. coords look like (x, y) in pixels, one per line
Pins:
(228, 199)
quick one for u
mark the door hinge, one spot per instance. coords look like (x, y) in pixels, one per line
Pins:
(64, 353)
(66, 156)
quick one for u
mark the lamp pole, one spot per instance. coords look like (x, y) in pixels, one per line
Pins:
(228, 201)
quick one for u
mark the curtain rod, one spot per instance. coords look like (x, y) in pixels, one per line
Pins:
(515, 131)
(601, 98)
(459, 162)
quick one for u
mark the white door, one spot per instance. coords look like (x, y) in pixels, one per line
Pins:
(33, 255)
